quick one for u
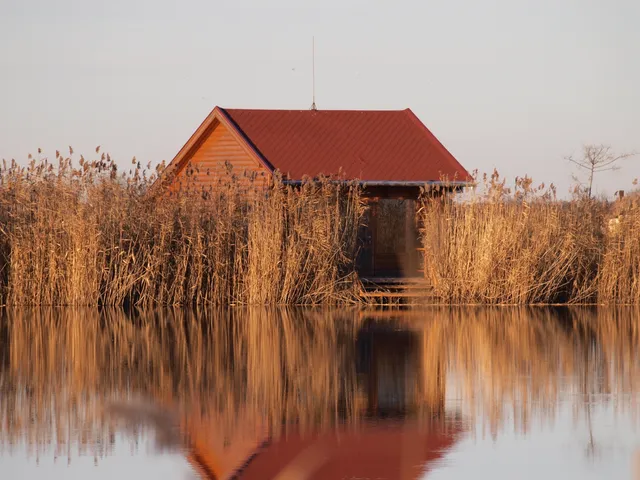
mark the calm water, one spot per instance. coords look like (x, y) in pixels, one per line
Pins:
(289, 394)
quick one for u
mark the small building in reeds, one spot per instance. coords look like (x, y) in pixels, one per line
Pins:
(392, 154)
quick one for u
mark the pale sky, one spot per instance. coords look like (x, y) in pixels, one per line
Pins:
(511, 84)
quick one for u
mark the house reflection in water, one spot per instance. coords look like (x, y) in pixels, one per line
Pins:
(402, 372)
(399, 430)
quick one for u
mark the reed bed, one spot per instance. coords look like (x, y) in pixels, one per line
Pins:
(81, 233)
(522, 246)
(619, 273)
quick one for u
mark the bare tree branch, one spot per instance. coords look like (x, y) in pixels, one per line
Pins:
(596, 159)
(578, 163)
(614, 167)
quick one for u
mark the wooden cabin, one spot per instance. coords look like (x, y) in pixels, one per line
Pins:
(391, 153)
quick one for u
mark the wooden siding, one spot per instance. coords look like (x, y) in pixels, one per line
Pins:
(212, 157)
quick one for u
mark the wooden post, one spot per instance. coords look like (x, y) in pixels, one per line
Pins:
(374, 233)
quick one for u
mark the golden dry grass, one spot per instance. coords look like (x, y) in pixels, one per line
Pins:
(619, 273)
(83, 234)
(526, 247)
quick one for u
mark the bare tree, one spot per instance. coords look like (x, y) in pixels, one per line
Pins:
(596, 159)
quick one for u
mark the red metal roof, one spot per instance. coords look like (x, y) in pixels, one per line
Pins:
(365, 145)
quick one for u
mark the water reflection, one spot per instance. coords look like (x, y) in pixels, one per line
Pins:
(311, 394)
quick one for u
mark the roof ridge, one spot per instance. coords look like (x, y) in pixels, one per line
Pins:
(314, 111)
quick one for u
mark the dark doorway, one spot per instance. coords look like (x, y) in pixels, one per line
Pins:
(389, 239)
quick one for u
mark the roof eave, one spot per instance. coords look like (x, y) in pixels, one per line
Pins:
(395, 183)
(432, 183)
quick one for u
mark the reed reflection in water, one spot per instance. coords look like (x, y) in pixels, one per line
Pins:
(270, 393)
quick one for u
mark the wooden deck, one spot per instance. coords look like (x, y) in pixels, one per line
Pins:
(396, 291)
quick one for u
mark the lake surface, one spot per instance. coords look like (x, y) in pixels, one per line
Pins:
(319, 394)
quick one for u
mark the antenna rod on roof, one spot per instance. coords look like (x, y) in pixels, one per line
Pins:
(313, 72)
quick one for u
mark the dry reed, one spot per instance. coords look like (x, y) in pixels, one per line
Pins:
(619, 272)
(525, 246)
(83, 234)
(89, 235)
